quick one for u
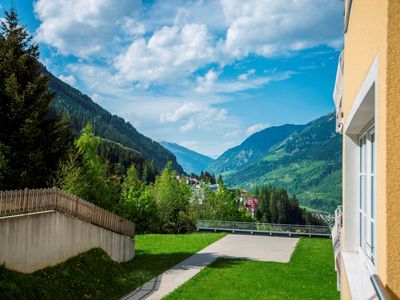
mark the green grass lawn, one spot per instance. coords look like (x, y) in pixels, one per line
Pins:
(309, 275)
(93, 275)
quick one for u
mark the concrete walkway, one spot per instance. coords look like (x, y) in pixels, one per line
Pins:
(263, 248)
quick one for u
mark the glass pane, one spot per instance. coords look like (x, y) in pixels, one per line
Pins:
(373, 241)
(372, 197)
(365, 155)
(365, 227)
(372, 152)
(363, 194)
(361, 230)
(362, 154)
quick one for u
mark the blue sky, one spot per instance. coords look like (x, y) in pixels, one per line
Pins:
(204, 74)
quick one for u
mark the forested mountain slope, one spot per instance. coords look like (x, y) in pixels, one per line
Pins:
(307, 163)
(252, 149)
(80, 110)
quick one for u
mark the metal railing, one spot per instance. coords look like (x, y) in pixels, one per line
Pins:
(36, 200)
(266, 228)
(379, 288)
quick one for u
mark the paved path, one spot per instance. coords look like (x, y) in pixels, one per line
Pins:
(263, 248)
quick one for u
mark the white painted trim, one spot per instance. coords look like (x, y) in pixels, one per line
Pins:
(360, 118)
(358, 276)
(368, 82)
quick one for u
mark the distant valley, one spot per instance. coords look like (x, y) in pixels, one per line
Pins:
(305, 159)
(191, 161)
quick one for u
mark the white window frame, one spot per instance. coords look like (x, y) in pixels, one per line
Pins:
(361, 117)
(367, 197)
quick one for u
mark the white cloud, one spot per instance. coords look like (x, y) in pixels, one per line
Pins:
(255, 128)
(241, 85)
(246, 75)
(80, 27)
(171, 53)
(180, 12)
(270, 27)
(195, 115)
(70, 79)
(185, 110)
(132, 28)
(206, 83)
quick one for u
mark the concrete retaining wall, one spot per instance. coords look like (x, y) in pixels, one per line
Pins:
(34, 241)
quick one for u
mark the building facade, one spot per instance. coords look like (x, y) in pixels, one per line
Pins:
(367, 99)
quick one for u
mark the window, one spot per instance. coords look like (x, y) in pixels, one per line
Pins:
(367, 228)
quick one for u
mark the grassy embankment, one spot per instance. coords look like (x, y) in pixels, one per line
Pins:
(93, 275)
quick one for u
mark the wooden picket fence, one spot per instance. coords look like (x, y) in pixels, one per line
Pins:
(35, 200)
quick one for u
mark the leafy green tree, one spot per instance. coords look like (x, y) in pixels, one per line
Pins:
(32, 139)
(173, 199)
(103, 190)
(72, 177)
(221, 205)
(137, 204)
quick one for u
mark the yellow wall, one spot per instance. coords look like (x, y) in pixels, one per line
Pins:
(393, 148)
(374, 31)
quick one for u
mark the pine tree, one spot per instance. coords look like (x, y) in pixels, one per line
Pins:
(32, 140)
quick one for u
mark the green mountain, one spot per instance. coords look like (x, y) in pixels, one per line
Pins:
(191, 161)
(251, 150)
(80, 110)
(307, 163)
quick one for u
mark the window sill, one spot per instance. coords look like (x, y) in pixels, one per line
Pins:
(358, 276)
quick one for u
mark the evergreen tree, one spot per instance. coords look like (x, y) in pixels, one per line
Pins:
(150, 172)
(32, 140)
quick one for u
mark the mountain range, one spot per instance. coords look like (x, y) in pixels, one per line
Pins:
(191, 161)
(304, 159)
(80, 110)
(307, 162)
(252, 149)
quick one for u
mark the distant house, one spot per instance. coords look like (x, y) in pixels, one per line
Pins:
(244, 192)
(213, 187)
(192, 181)
(251, 204)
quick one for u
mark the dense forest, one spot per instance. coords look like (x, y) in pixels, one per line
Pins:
(276, 206)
